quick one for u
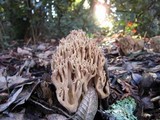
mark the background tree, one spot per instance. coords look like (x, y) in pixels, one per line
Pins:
(36, 20)
(145, 13)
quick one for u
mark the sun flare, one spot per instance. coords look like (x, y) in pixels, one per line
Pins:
(101, 14)
(100, 11)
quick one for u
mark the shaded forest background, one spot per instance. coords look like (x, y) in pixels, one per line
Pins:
(37, 20)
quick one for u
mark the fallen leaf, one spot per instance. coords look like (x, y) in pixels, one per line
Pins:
(27, 64)
(23, 51)
(13, 116)
(3, 97)
(88, 106)
(56, 117)
(25, 93)
(147, 80)
(128, 66)
(155, 43)
(154, 69)
(136, 78)
(45, 55)
(12, 98)
(147, 104)
(41, 47)
(12, 80)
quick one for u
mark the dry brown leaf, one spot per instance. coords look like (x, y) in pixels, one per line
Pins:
(41, 47)
(88, 107)
(13, 116)
(3, 97)
(12, 98)
(155, 43)
(23, 51)
(128, 45)
(56, 117)
(45, 55)
(25, 93)
(12, 80)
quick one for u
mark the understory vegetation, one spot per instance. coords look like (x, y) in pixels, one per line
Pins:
(36, 20)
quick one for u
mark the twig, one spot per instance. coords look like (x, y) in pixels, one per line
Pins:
(155, 99)
(5, 76)
(51, 109)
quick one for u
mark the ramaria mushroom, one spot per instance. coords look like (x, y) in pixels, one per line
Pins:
(77, 64)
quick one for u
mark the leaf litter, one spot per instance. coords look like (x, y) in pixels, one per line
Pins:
(26, 90)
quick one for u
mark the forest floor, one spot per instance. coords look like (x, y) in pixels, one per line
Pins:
(27, 93)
